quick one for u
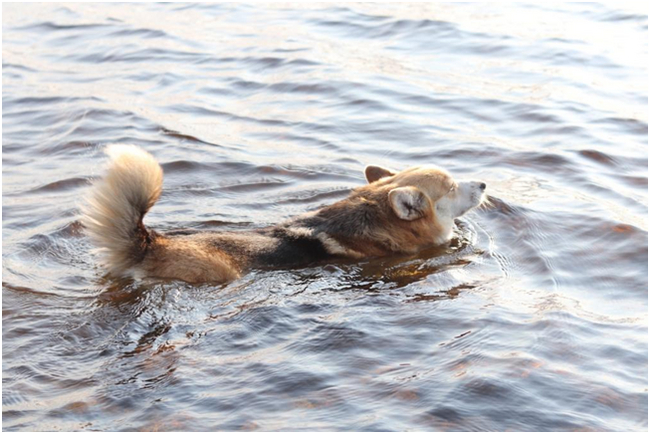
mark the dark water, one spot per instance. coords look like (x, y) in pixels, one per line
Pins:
(534, 318)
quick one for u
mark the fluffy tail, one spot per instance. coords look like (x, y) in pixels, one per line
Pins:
(116, 205)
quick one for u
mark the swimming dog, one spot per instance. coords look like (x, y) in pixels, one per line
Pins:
(396, 212)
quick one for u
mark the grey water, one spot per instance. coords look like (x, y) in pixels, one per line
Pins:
(533, 318)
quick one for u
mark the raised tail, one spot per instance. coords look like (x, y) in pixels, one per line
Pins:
(116, 205)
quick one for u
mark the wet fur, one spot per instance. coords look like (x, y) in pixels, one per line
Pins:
(394, 213)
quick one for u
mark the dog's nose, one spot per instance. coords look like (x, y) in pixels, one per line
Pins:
(482, 186)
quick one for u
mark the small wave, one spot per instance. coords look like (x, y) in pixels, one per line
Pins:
(62, 185)
(599, 157)
(48, 26)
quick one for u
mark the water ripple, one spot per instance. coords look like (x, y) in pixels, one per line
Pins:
(534, 317)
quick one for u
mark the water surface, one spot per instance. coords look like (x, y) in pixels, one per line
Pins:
(533, 318)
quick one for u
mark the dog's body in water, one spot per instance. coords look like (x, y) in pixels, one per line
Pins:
(397, 212)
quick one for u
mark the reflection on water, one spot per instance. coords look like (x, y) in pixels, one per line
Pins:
(533, 318)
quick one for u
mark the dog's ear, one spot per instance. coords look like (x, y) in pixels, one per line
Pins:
(408, 203)
(373, 173)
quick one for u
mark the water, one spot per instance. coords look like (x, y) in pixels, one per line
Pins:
(534, 318)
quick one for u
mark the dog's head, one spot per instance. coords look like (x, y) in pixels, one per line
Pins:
(426, 191)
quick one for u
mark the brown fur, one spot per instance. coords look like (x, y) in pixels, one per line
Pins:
(190, 260)
(387, 233)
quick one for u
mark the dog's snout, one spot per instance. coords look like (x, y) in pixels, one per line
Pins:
(482, 186)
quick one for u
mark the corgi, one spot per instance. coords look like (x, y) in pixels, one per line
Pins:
(396, 212)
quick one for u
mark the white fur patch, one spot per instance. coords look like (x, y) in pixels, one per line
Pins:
(333, 247)
(300, 232)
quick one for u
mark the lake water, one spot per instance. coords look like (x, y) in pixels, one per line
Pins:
(533, 318)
